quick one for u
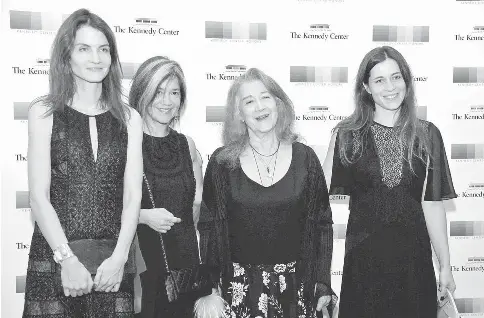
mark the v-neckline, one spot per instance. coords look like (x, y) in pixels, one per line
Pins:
(278, 181)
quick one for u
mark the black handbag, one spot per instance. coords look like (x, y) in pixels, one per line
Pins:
(190, 282)
(91, 253)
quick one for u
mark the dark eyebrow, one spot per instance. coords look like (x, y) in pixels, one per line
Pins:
(102, 45)
(391, 75)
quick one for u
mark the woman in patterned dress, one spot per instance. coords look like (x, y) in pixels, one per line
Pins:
(267, 231)
(394, 168)
(85, 170)
(173, 170)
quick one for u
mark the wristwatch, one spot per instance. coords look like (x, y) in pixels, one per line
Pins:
(62, 252)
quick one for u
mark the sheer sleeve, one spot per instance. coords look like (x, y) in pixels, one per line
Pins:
(318, 236)
(209, 251)
(341, 176)
(439, 181)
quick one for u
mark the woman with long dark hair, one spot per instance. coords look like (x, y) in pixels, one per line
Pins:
(173, 174)
(394, 168)
(267, 231)
(85, 170)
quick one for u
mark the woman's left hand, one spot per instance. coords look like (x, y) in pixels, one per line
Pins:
(446, 281)
(323, 301)
(109, 275)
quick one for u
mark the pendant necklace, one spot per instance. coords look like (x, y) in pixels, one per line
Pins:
(267, 166)
(257, 165)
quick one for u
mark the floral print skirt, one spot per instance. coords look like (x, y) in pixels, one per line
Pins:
(260, 291)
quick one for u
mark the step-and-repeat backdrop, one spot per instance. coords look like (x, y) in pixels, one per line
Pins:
(216, 41)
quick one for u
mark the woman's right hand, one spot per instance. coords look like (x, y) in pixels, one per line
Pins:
(76, 279)
(159, 219)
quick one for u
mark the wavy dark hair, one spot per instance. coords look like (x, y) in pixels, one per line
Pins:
(235, 135)
(148, 78)
(412, 133)
(62, 85)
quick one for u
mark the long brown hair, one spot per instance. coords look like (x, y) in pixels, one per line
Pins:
(412, 133)
(62, 85)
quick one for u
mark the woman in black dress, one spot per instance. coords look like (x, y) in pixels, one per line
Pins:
(382, 156)
(173, 171)
(85, 170)
(268, 228)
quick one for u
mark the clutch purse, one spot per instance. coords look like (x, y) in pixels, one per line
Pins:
(92, 252)
(191, 282)
(447, 308)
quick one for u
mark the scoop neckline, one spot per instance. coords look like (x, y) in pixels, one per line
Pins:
(278, 181)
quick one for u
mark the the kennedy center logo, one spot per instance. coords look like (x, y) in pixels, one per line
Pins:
(39, 67)
(475, 190)
(467, 152)
(36, 22)
(319, 75)
(319, 113)
(146, 26)
(246, 32)
(229, 73)
(473, 113)
(468, 76)
(320, 32)
(401, 34)
(476, 34)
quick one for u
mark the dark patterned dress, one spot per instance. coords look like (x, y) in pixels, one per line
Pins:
(388, 270)
(276, 236)
(88, 198)
(168, 168)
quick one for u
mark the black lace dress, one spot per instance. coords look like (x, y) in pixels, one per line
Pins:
(168, 168)
(88, 198)
(388, 269)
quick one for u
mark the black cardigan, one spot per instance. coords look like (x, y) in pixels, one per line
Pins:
(314, 265)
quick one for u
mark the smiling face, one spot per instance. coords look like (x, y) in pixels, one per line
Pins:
(166, 103)
(258, 108)
(90, 57)
(386, 85)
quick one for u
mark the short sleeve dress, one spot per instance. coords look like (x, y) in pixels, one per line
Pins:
(388, 270)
